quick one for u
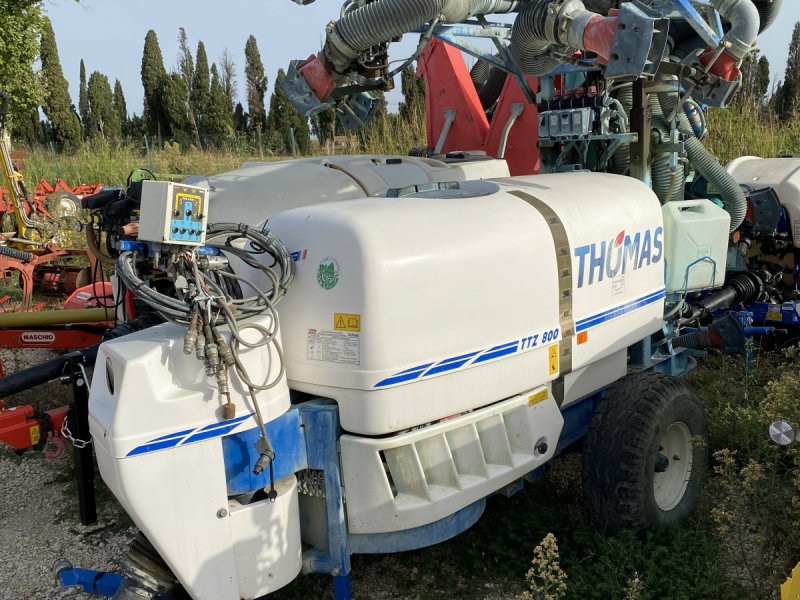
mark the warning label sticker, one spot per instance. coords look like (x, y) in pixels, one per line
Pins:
(553, 355)
(346, 322)
(343, 347)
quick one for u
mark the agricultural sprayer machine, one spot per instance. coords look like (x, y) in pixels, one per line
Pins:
(358, 350)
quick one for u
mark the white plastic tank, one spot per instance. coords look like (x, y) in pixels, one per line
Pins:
(781, 174)
(408, 310)
(695, 244)
(157, 424)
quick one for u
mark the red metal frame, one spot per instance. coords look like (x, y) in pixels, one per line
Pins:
(448, 86)
(54, 279)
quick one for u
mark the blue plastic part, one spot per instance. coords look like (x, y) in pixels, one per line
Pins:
(131, 246)
(577, 419)
(286, 436)
(418, 537)
(341, 587)
(765, 313)
(92, 582)
(322, 431)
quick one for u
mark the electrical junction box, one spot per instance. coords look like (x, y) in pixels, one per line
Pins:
(173, 213)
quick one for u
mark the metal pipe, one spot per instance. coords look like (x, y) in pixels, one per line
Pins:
(56, 317)
(43, 372)
(745, 21)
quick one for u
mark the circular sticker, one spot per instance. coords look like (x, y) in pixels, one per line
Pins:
(328, 273)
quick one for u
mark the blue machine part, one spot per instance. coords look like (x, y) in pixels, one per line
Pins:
(286, 436)
(785, 314)
(92, 582)
(146, 248)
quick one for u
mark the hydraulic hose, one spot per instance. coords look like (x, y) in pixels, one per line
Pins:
(384, 20)
(707, 165)
(768, 12)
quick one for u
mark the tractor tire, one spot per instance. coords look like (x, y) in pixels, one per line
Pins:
(646, 454)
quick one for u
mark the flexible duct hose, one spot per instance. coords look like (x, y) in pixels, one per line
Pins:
(768, 12)
(621, 159)
(707, 165)
(686, 46)
(529, 44)
(668, 185)
(385, 20)
(698, 340)
(493, 87)
(479, 73)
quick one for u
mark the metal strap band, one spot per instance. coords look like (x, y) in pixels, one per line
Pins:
(564, 266)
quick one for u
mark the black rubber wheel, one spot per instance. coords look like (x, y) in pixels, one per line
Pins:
(644, 462)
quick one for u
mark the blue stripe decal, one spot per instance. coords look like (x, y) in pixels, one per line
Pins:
(449, 365)
(179, 438)
(608, 315)
(153, 446)
(420, 369)
(176, 435)
(234, 421)
(492, 354)
(208, 434)
(517, 346)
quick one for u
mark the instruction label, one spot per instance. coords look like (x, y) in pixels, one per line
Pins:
(342, 347)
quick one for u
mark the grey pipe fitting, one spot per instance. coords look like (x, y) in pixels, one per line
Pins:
(745, 21)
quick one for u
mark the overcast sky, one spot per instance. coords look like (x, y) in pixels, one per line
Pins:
(109, 35)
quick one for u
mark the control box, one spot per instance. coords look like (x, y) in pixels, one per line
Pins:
(173, 213)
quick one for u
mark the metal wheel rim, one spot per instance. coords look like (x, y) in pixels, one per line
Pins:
(670, 486)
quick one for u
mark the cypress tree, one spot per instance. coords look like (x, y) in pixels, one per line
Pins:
(175, 97)
(186, 69)
(103, 120)
(83, 99)
(762, 79)
(201, 87)
(790, 93)
(283, 118)
(153, 76)
(239, 119)
(28, 129)
(413, 90)
(256, 84)
(120, 108)
(227, 78)
(218, 123)
(324, 125)
(58, 107)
